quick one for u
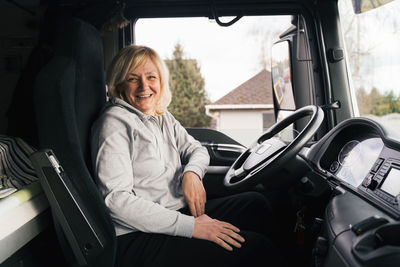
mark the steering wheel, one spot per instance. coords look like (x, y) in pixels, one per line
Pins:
(267, 155)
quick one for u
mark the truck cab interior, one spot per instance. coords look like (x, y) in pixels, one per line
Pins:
(330, 169)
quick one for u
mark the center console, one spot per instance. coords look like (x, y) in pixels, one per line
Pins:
(360, 234)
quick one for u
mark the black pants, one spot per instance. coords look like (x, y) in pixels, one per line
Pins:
(249, 211)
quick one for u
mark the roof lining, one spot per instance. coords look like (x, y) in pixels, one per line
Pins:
(204, 9)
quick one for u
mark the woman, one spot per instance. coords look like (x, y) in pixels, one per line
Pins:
(158, 205)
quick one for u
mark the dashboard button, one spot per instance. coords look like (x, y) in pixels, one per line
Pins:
(367, 181)
(377, 165)
(334, 166)
(372, 185)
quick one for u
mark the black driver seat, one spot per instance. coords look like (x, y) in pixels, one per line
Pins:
(69, 94)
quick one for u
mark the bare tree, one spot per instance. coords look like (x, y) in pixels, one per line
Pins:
(266, 31)
(362, 33)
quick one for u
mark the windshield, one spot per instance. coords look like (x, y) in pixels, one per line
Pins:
(372, 44)
(220, 77)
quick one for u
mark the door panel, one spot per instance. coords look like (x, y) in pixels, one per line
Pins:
(222, 149)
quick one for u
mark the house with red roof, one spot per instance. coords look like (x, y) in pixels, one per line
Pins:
(246, 111)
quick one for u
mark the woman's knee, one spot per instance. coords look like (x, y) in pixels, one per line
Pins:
(258, 250)
(258, 202)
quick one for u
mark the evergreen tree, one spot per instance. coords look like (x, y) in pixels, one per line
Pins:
(391, 101)
(376, 103)
(188, 94)
(375, 99)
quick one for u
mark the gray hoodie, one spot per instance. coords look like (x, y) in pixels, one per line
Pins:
(138, 165)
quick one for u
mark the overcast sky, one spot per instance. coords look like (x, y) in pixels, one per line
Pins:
(227, 56)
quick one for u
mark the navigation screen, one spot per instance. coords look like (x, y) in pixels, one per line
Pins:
(392, 182)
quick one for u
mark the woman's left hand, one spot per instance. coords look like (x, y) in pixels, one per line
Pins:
(194, 193)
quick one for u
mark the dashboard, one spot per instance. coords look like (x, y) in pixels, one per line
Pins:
(360, 155)
(361, 161)
(355, 159)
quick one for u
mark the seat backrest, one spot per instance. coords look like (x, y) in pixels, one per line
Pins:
(21, 116)
(68, 96)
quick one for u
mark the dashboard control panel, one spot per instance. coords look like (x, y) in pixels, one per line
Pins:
(383, 183)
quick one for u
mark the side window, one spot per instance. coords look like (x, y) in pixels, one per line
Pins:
(220, 77)
(372, 44)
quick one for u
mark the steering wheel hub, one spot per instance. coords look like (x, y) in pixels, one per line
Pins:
(269, 154)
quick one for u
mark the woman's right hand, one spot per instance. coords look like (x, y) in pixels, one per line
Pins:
(223, 233)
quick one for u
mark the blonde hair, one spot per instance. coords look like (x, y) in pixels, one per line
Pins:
(130, 58)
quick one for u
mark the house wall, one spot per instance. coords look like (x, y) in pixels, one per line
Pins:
(245, 126)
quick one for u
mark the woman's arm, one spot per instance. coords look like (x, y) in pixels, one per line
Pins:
(197, 161)
(194, 193)
(113, 166)
(191, 151)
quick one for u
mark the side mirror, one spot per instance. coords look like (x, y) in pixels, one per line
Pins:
(281, 73)
(361, 6)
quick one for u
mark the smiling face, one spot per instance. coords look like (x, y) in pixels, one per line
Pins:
(142, 87)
